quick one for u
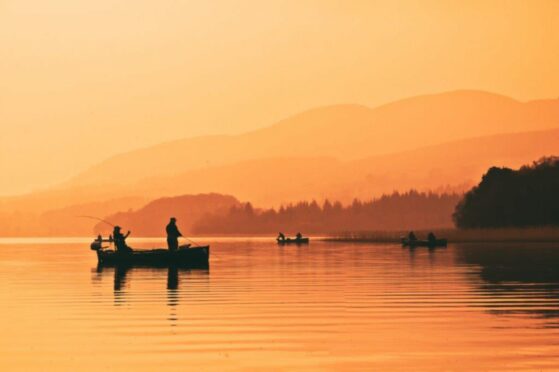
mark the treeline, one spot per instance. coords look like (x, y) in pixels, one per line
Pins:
(508, 198)
(410, 210)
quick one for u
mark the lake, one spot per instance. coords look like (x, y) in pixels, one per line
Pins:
(326, 306)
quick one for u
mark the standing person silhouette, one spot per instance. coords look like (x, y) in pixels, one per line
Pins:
(173, 234)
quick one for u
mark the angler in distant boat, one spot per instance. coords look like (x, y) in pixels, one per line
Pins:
(173, 234)
(431, 238)
(431, 242)
(299, 239)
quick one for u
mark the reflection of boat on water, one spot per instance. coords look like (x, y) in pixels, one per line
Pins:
(173, 272)
(293, 241)
(185, 256)
(424, 243)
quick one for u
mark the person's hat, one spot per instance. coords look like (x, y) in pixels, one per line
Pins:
(117, 227)
(173, 219)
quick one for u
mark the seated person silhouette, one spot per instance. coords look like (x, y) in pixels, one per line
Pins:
(299, 236)
(411, 236)
(120, 240)
(281, 236)
(431, 237)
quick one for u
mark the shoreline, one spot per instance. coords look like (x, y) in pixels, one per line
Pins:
(500, 235)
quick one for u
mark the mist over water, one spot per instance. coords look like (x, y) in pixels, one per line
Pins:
(328, 306)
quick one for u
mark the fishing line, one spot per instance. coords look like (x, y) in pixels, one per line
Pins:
(192, 241)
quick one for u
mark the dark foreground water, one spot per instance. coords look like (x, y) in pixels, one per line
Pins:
(328, 306)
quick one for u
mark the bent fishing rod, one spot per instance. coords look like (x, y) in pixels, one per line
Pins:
(98, 219)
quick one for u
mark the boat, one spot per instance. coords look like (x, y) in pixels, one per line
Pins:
(185, 256)
(293, 241)
(424, 243)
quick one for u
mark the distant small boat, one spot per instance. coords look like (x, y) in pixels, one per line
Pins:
(293, 241)
(185, 256)
(424, 243)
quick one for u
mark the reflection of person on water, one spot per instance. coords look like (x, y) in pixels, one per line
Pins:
(172, 277)
(281, 236)
(411, 236)
(120, 240)
(120, 277)
(173, 234)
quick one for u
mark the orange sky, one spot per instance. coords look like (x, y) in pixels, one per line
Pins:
(80, 81)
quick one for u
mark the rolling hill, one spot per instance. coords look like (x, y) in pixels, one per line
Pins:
(151, 219)
(344, 132)
(445, 141)
(455, 165)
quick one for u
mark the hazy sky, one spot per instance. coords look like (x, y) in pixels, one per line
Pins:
(83, 80)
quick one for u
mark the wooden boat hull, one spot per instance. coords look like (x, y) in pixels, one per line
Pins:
(424, 243)
(293, 241)
(183, 257)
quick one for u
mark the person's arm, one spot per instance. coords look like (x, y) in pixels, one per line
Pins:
(178, 232)
(126, 236)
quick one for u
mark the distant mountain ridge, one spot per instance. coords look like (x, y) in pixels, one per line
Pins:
(343, 132)
(338, 152)
(456, 165)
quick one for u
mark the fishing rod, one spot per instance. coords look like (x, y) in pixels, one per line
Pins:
(98, 219)
(110, 224)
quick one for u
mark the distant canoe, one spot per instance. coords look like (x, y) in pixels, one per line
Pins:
(293, 241)
(424, 243)
(184, 257)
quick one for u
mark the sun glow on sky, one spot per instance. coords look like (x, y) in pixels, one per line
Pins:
(81, 81)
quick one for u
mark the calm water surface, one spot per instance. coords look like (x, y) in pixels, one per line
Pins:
(327, 306)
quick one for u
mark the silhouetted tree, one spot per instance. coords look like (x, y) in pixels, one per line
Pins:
(509, 198)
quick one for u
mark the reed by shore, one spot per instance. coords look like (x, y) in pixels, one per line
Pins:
(531, 234)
